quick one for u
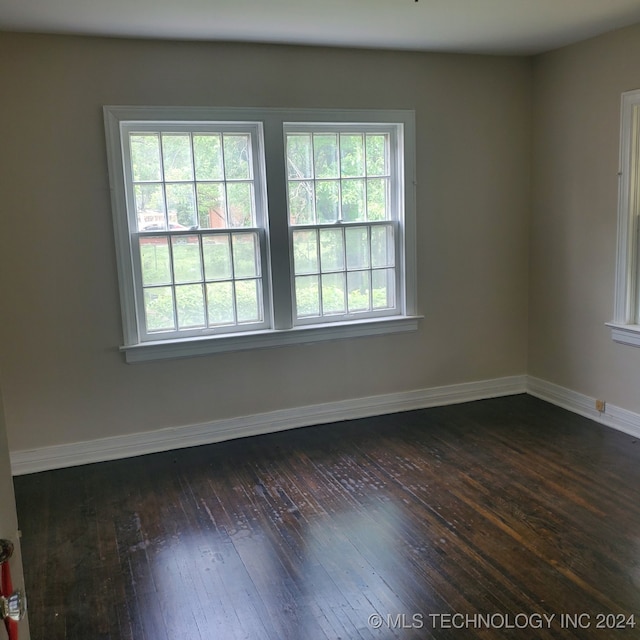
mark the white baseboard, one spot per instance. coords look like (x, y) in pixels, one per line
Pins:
(612, 416)
(126, 446)
(135, 444)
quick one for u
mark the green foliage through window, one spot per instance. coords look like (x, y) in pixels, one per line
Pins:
(340, 177)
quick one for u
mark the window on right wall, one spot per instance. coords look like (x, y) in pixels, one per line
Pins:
(625, 327)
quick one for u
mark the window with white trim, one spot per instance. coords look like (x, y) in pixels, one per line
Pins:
(344, 220)
(625, 327)
(244, 228)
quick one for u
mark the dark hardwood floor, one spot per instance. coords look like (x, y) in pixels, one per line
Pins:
(469, 521)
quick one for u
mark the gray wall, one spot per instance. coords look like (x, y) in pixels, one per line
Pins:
(63, 378)
(574, 219)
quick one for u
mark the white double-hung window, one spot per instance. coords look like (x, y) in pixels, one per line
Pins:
(625, 327)
(246, 228)
(342, 202)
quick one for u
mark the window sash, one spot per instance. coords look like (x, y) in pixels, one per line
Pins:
(254, 178)
(392, 172)
(236, 324)
(368, 268)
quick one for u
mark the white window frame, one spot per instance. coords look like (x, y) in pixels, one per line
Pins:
(625, 326)
(277, 257)
(396, 209)
(254, 130)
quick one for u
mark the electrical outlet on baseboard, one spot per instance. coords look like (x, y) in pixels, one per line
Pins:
(601, 405)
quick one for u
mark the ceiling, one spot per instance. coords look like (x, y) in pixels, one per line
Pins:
(469, 26)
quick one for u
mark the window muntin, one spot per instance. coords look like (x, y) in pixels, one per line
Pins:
(197, 227)
(344, 200)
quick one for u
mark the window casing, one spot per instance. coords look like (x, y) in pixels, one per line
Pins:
(245, 228)
(625, 327)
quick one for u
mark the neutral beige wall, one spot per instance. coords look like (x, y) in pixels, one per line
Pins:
(573, 234)
(62, 375)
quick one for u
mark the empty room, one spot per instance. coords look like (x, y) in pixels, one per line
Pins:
(319, 320)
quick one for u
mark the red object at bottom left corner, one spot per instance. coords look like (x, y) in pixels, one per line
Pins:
(7, 590)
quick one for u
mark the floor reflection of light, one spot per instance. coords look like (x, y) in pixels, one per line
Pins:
(326, 578)
(350, 564)
(204, 578)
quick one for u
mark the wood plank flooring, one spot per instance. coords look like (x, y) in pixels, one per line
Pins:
(469, 521)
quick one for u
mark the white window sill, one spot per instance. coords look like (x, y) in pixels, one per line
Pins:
(625, 333)
(162, 350)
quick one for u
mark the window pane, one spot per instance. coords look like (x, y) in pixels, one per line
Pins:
(181, 206)
(331, 249)
(382, 248)
(377, 155)
(333, 293)
(187, 266)
(220, 303)
(305, 252)
(384, 288)
(217, 257)
(327, 200)
(158, 309)
(190, 304)
(358, 288)
(357, 247)
(150, 207)
(154, 257)
(237, 155)
(145, 157)
(325, 151)
(299, 163)
(378, 199)
(245, 255)
(207, 152)
(176, 156)
(211, 210)
(351, 155)
(307, 299)
(353, 209)
(248, 301)
(301, 202)
(240, 203)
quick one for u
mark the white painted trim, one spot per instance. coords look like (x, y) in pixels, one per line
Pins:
(613, 416)
(187, 347)
(126, 446)
(78, 453)
(625, 334)
(627, 260)
(267, 134)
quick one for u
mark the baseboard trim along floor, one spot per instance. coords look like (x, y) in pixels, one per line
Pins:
(612, 416)
(135, 444)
